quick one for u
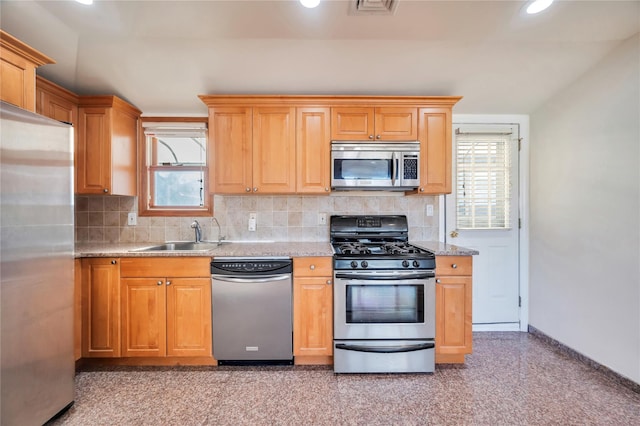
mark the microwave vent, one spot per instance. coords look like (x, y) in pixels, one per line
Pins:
(373, 7)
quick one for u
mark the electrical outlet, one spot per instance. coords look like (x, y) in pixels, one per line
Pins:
(429, 209)
(322, 218)
(253, 219)
(132, 219)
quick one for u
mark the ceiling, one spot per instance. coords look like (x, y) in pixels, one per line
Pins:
(159, 55)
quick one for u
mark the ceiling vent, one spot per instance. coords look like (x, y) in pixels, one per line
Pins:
(373, 7)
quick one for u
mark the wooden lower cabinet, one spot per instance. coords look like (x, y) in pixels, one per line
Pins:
(313, 310)
(165, 312)
(453, 308)
(100, 308)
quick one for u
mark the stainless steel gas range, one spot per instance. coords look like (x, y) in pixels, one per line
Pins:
(384, 297)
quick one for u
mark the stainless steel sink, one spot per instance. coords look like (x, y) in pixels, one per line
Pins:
(182, 246)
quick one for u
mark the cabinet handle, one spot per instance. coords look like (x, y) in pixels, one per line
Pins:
(168, 282)
(105, 190)
(454, 266)
(370, 136)
(329, 282)
(113, 262)
(159, 282)
(377, 136)
(312, 267)
(255, 189)
(438, 281)
(247, 189)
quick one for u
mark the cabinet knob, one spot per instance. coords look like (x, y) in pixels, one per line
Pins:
(312, 267)
(370, 136)
(113, 262)
(255, 189)
(326, 189)
(168, 282)
(454, 266)
(247, 189)
(329, 282)
(159, 282)
(106, 190)
(377, 136)
(421, 189)
(438, 281)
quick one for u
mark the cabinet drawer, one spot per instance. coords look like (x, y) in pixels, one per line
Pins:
(453, 265)
(173, 267)
(312, 266)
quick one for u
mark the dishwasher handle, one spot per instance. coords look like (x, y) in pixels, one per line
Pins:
(251, 279)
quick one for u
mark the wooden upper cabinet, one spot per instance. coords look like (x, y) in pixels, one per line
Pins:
(435, 150)
(18, 63)
(56, 102)
(274, 156)
(374, 124)
(230, 162)
(107, 142)
(313, 150)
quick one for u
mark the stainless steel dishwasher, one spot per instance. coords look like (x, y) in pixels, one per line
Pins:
(252, 310)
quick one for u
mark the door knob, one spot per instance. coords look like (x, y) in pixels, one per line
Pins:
(453, 234)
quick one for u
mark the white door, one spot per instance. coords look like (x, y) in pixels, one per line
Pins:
(482, 213)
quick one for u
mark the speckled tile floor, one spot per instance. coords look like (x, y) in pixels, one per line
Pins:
(511, 379)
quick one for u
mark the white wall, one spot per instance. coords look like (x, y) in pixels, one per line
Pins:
(585, 213)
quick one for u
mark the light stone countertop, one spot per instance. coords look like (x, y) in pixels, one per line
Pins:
(246, 249)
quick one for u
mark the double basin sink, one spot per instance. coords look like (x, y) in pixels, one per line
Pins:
(181, 246)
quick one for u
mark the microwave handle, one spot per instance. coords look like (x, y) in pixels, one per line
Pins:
(394, 169)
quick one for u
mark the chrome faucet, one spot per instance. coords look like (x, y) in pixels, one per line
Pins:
(220, 237)
(196, 226)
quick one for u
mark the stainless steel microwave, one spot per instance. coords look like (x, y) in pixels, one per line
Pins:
(375, 166)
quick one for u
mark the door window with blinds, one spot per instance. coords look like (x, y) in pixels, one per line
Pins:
(175, 182)
(483, 177)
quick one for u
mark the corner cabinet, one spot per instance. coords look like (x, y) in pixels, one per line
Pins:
(107, 145)
(100, 308)
(166, 307)
(18, 63)
(453, 308)
(312, 310)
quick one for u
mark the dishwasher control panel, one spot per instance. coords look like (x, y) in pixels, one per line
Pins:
(251, 266)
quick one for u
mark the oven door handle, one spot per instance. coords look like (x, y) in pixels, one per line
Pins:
(386, 349)
(393, 277)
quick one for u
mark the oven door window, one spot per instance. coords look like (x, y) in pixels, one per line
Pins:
(384, 304)
(362, 168)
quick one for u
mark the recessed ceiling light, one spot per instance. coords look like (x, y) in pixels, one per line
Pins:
(310, 3)
(537, 6)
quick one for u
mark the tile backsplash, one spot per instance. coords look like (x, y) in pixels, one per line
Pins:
(279, 218)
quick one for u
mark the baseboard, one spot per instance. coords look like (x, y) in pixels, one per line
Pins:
(618, 378)
(510, 326)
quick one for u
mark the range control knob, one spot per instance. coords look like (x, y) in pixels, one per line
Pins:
(354, 264)
(416, 263)
(405, 263)
(364, 264)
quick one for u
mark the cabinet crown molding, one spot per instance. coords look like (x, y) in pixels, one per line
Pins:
(328, 100)
(10, 43)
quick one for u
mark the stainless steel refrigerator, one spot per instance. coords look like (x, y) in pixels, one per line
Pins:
(36, 269)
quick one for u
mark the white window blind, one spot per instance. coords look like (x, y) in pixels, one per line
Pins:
(483, 181)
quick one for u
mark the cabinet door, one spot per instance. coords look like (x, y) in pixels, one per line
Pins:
(77, 309)
(352, 123)
(188, 317)
(124, 142)
(313, 316)
(143, 317)
(55, 107)
(94, 151)
(274, 157)
(313, 150)
(230, 135)
(435, 150)
(453, 317)
(17, 80)
(396, 124)
(101, 308)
